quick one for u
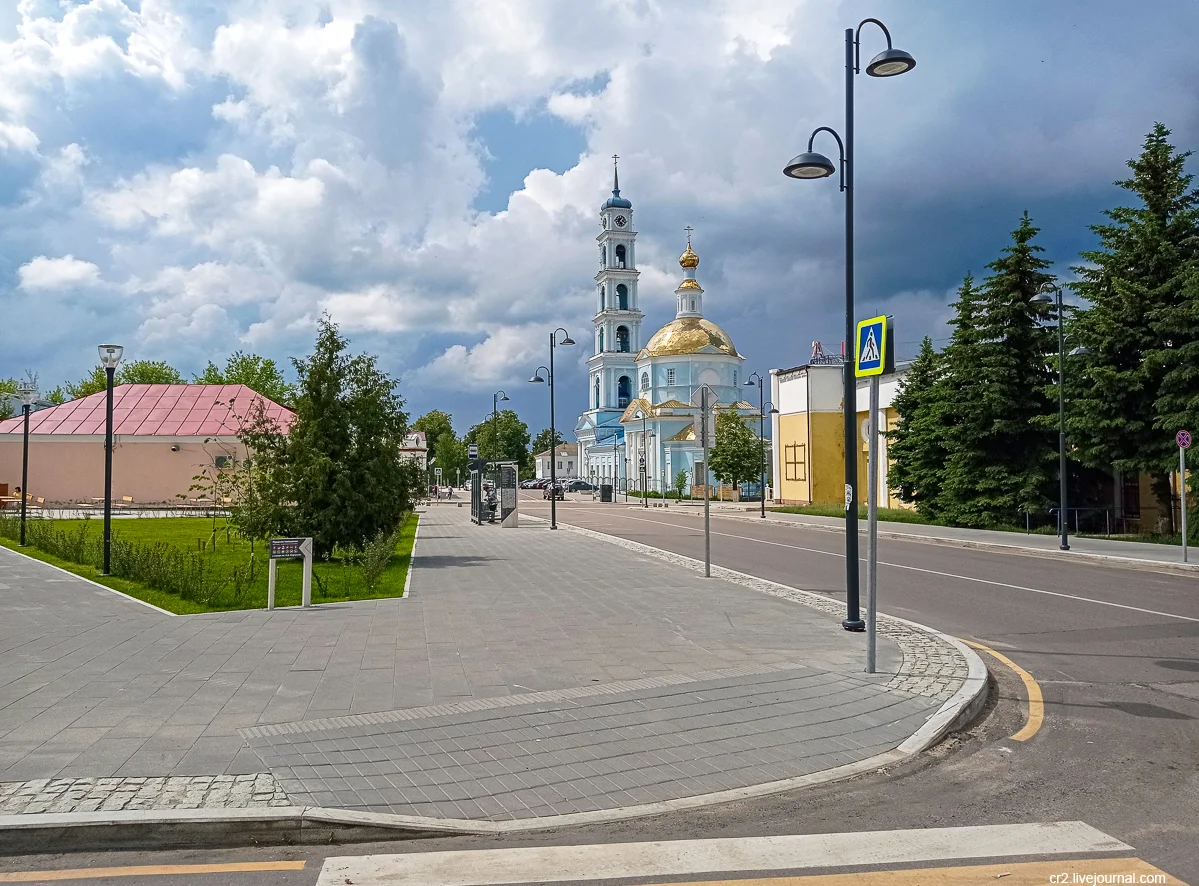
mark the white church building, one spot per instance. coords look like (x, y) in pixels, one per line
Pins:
(639, 424)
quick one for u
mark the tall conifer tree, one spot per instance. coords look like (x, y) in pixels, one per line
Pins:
(998, 378)
(917, 443)
(1132, 388)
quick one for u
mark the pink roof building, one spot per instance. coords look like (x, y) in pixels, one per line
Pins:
(163, 435)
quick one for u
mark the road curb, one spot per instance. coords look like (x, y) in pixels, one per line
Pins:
(1138, 564)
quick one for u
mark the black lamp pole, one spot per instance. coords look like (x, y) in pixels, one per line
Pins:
(111, 373)
(549, 371)
(749, 382)
(27, 396)
(495, 431)
(645, 467)
(888, 63)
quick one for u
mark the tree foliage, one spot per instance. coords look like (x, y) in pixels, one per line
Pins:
(507, 437)
(135, 372)
(737, 456)
(1130, 393)
(434, 423)
(338, 474)
(260, 374)
(543, 442)
(917, 443)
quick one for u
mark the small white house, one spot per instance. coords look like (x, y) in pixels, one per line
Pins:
(567, 468)
(416, 448)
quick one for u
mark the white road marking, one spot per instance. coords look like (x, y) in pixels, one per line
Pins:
(551, 864)
(985, 581)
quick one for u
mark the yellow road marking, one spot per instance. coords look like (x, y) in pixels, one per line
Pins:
(149, 870)
(1032, 873)
(1036, 703)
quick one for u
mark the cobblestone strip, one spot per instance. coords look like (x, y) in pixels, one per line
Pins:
(507, 701)
(116, 794)
(931, 667)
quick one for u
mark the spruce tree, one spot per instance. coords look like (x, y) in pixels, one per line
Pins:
(1000, 454)
(917, 443)
(1123, 411)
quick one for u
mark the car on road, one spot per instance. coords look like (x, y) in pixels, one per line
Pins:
(579, 486)
(556, 490)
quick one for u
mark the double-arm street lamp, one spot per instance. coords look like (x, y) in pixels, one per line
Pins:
(549, 371)
(889, 63)
(27, 392)
(110, 359)
(1044, 298)
(749, 383)
(495, 429)
(646, 436)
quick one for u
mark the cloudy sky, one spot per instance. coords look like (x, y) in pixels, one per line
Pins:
(190, 177)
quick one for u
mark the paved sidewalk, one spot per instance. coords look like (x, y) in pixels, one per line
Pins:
(531, 673)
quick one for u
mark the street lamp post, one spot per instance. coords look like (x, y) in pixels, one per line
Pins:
(27, 392)
(1044, 298)
(761, 432)
(889, 63)
(644, 468)
(110, 358)
(495, 430)
(567, 340)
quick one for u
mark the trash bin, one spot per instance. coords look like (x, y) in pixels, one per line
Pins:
(606, 492)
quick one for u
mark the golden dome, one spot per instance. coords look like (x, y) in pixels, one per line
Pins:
(689, 259)
(688, 335)
(690, 283)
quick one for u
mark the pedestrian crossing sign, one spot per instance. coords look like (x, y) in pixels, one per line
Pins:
(874, 354)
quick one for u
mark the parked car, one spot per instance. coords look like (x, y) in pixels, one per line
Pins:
(529, 484)
(556, 490)
(579, 486)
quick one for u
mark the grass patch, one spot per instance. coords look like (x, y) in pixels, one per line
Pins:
(210, 568)
(893, 515)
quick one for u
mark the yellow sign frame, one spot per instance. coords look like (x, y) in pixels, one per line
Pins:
(881, 359)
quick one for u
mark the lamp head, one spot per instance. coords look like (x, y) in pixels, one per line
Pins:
(26, 392)
(110, 355)
(537, 379)
(567, 341)
(810, 164)
(1081, 352)
(890, 63)
(749, 383)
(505, 397)
(773, 411)
(1042, 298)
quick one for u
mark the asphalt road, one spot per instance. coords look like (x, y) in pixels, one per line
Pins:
(1114, 651)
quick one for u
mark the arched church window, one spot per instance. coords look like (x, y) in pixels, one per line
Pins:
(734, 378)
(601, 343)
(692, 304)
(622, 339)
(645, 381)
(624, 391)
(603, 296)
(604, 260)
(597, 392)
(622, 297)
(620, 256)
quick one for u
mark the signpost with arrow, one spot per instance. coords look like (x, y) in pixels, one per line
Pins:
(290, 549)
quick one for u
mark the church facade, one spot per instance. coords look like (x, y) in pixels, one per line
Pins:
(638, 429)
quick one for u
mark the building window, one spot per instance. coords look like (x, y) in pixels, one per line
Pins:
(645, 381)
(795, 461)
(669, 376)
(1130, 494)
(603, 296)
(620, 260)
(559, 464)
(601, 341)
(624, 391)
(622, 339)
(622, 297)
(597, 388)
(693, 306)
(734, 378)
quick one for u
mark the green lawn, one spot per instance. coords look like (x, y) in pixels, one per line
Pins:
(221, 557)
(894, 515)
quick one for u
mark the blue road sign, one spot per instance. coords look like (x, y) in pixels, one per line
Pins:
(472, 451)
(871, 350)
(1183, 439)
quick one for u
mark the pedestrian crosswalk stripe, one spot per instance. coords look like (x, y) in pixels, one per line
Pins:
(551, 864)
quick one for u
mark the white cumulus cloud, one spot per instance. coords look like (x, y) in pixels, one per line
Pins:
(57, 273)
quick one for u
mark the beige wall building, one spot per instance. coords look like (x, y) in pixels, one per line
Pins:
(163, 436)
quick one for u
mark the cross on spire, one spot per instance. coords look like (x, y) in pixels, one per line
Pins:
(615, 175)
(688, 229)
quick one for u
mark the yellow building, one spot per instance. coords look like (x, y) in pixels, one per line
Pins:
(809, 451)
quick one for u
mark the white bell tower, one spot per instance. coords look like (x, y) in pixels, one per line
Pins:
(617, 318)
